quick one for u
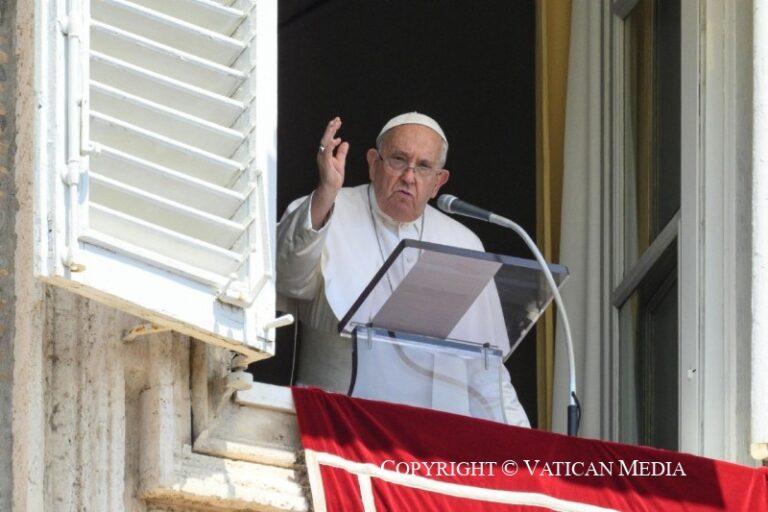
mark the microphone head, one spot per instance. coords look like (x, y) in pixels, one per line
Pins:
(444, 202)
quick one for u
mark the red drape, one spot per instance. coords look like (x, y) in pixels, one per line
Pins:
(394, 457)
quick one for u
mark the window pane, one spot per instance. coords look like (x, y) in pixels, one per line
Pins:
(651, 123)
(648, 360)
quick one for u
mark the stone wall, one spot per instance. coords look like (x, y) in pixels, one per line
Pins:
(8, 208)
(27, 390)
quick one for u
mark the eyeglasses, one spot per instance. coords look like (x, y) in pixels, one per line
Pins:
(396, 165)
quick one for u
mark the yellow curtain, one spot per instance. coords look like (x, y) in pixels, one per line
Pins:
(553, 30)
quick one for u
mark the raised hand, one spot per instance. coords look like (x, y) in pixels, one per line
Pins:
(331, 162)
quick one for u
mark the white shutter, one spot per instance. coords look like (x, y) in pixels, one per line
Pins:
(159, 196)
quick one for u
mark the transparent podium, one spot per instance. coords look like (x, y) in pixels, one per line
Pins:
(435, 324)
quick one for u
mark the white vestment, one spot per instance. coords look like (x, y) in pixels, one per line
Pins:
(327, 269)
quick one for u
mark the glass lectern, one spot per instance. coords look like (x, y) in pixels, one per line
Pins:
(435, 324)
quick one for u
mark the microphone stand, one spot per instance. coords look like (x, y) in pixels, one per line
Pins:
(573, 408)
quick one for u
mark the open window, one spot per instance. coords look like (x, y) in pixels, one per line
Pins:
(647, 199)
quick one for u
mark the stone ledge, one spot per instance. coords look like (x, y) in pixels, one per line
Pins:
(212, 483)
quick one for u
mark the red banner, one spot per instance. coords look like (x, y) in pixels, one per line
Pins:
(365, 455)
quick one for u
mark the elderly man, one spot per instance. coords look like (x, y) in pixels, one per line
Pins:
(332, 242)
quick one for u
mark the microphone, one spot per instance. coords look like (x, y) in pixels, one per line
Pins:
(454, 205)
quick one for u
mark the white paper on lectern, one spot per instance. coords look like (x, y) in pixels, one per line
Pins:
(435, 294)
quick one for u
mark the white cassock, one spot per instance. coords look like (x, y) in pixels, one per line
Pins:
(326, 270)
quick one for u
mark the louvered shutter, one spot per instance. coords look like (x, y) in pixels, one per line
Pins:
(168, 163)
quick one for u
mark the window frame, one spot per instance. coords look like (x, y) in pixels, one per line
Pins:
(712, 337)
(625, 281)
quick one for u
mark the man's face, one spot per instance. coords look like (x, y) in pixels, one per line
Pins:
(403, 195)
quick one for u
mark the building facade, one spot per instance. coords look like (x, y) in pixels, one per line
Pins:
(129, 308)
